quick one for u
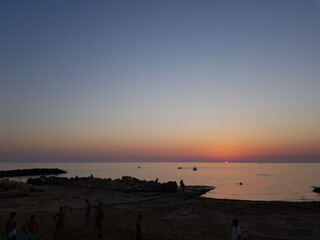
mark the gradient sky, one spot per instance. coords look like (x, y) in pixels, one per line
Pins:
(160, 80)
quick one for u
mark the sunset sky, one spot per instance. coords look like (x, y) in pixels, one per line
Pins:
(160, 80)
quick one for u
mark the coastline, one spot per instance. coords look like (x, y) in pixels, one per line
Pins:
(165, 215)
(280, 183)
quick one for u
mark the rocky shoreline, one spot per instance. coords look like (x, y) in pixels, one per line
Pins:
(126, 183)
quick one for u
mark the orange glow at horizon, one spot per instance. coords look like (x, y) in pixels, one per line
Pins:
(223, 146)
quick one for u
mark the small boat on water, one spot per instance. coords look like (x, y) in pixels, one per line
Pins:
(316, 189)
(195, 169)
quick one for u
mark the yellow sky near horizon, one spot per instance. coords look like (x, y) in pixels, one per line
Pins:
(203, 142)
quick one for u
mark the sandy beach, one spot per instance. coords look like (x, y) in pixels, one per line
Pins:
(165, 215)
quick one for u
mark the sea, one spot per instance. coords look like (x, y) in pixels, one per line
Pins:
(291, 182)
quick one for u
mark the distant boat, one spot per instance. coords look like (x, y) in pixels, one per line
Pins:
(316, 189)
(179, 167)
(195, 169)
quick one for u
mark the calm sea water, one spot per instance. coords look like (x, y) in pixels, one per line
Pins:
(266, 181)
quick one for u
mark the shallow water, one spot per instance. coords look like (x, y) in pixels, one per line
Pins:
(266, 181)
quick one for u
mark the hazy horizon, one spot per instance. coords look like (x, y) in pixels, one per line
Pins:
(271, 159)
(160, 80)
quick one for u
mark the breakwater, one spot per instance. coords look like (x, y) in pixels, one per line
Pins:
(31, 172)
(126, 183)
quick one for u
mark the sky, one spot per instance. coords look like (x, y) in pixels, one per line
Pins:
(163, 80)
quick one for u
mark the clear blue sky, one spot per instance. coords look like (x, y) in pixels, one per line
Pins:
(152, 80)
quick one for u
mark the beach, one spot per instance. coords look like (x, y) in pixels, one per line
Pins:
(165, 215)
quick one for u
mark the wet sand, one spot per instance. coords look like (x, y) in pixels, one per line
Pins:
(165, 216)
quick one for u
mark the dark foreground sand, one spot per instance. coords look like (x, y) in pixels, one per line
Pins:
(171, 216)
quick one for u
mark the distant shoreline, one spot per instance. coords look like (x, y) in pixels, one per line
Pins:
(31, 172)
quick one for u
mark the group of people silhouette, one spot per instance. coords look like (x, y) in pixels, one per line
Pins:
(99, 217)
(32, 227)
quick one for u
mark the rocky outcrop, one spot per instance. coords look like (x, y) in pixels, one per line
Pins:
(126, 183)
(48, 181)
(10, 189)
(31, 172)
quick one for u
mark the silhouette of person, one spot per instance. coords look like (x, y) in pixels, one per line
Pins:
(59, 220)
(11, 227)
(138, 228)
(88, 211)
(236, 231)
(182, 186)
(99, 217)
(31, 228)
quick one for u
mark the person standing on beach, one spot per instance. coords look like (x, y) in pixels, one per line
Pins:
(88, 211)
(236, 231)
(138, 228)
(11, 227)
(182, 185)
(99, 217)
(31, 228)
(59, 220)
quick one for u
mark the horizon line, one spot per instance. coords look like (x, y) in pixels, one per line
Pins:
(163, 161)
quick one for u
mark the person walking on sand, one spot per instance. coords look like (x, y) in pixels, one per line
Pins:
(99, 217)
(11, 227)
(236, 231)
(88, 211)
(31, 228)
(59, 220)
(138, 228)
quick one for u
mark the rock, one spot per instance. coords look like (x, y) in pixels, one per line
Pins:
(49, 181)
(11, 189)
(171, 186)
(126, 178)
(127, 184)
(35, 181)
(165, 187)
